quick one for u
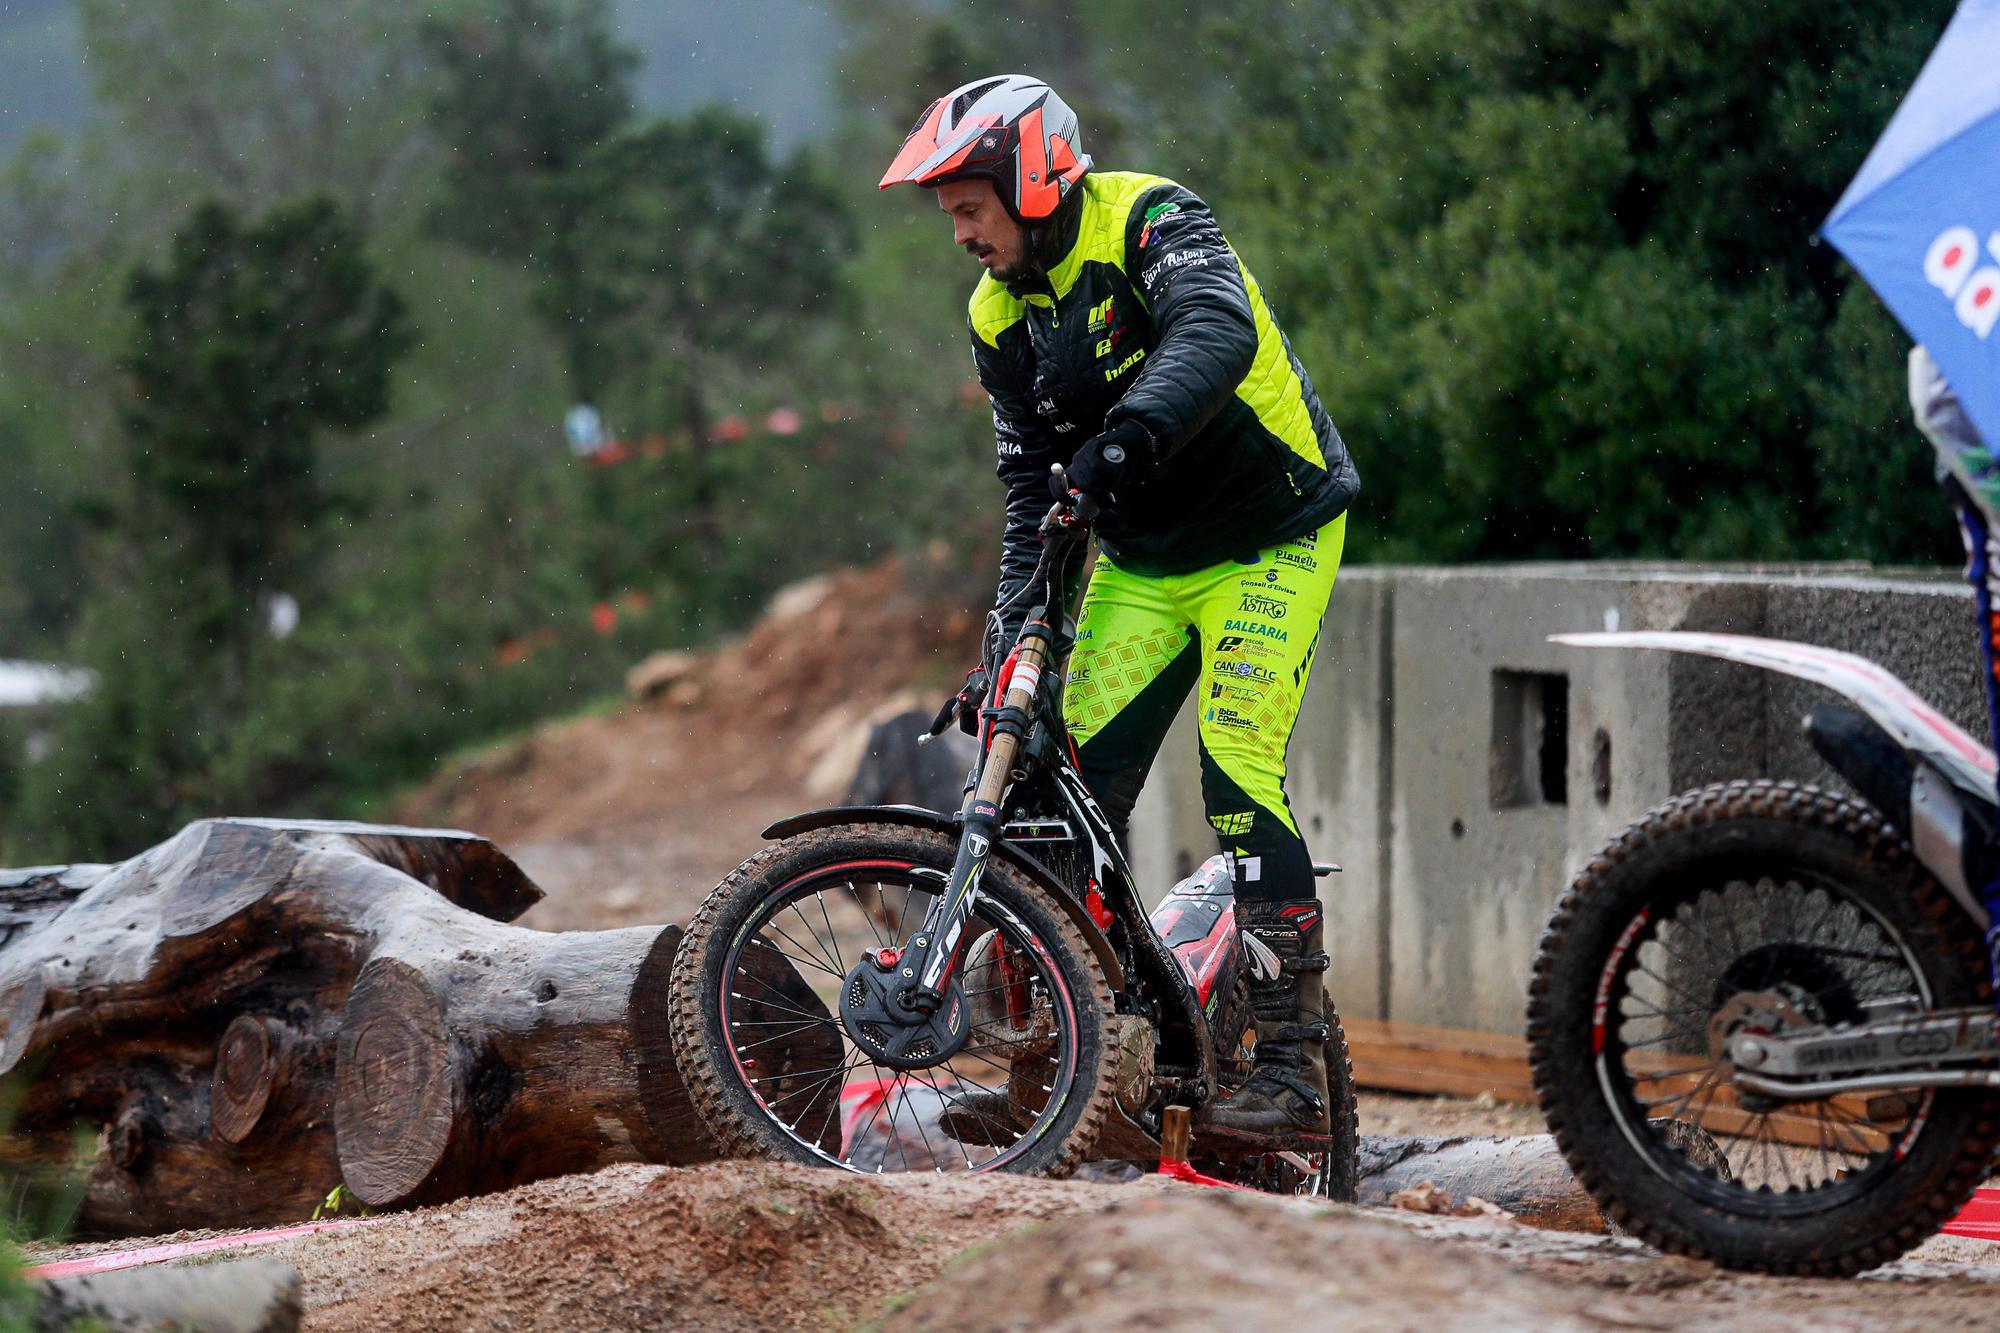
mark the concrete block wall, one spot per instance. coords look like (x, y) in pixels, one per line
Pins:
(1419, 764)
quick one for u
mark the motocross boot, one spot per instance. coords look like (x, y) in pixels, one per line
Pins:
(1286, 1093)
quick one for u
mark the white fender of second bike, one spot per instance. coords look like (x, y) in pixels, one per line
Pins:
(1949, 755)
(1895, 707)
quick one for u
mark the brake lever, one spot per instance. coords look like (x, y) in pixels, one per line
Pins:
(955, 706)
(1071, 518)
(945, 717)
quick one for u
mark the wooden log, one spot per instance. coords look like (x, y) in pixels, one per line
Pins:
(1455, 1062)
(1524, 1174)
(242, 1296)
(252, 1058)
(490, 1055)
(255, 1011)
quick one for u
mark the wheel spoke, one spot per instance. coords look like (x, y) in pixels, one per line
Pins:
(781, 1036)
(979, 1115)
(847, 1153)
(819, 960)
(833, 936)
(764, 1011)
(921, 1133)
(782, 1004)
(825, 951)
(837, 1084)
(1768, 956)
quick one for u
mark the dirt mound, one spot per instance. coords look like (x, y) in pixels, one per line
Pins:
(632, 815)
(854, 633)
(1208, 1260)
(735, 1245)
(744, 1245)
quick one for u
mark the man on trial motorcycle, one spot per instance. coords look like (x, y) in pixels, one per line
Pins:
(1119, 335)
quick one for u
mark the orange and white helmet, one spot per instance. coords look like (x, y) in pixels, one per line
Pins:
(1012, 130)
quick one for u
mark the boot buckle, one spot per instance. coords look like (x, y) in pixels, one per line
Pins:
(1312, 962)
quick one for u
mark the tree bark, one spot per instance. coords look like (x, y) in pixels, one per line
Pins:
(256, 1011)
(1524, 1174)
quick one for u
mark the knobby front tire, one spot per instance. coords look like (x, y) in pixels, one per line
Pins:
(1036, 1096)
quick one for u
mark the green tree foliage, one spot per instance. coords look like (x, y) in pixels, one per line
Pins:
(250, 341)
(683, 269)
(525, 91)
(35, 583)
(693, 247)
(260, 101)
(701, 265)
(1553, 267)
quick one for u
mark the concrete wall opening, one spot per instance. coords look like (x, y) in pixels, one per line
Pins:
(1528, 761)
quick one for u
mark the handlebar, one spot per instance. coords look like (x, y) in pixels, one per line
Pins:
(1071, 517)
(1067, 522)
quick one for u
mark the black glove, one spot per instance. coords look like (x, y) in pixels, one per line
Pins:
(1104, 462)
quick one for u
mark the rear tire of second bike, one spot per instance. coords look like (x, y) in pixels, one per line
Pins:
(1746, 831)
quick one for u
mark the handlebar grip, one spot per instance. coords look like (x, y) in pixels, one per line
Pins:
(942, 720)
(1084, 506)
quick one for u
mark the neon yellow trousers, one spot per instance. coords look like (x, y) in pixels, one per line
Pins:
(1243, 634)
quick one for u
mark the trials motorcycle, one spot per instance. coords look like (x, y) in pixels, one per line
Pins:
(1809, 977)
(896, 989)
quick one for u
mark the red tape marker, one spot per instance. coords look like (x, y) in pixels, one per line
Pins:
(1187, 1175)
(1979, 1219)
(160, 1254)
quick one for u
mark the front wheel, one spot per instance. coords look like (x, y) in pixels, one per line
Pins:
(773, 1071)
(1755, 907)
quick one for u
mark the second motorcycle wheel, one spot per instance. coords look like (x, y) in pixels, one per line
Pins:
(1755, 907)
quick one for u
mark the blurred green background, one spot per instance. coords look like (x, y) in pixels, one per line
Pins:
(296, 298)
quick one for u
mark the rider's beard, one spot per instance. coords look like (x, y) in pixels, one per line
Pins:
(1005, 271)
(1012, 269)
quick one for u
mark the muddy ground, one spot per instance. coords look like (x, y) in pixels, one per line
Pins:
(761, 1246)
(631, 816)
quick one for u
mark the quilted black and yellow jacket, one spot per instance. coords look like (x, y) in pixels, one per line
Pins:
(1150, 317)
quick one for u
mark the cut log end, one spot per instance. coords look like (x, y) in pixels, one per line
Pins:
(395, 1091)
(246, 1069)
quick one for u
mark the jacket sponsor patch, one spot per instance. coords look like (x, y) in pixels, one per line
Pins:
(1126, 364)
(1268, 580)
(1230, 718)
(1245, 670)
(1153, 215)
(1171, 263)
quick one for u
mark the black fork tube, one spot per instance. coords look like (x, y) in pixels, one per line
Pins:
(933, 952)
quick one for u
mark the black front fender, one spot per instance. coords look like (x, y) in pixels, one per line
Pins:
(912, 816)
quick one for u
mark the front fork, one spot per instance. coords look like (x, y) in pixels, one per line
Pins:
(1981, 571)
(931, 956)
